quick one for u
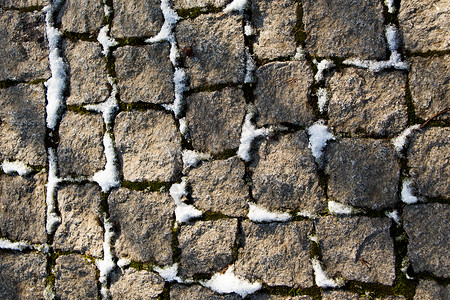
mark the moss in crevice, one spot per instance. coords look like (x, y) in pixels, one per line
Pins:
(77, 36)
(211, 88)
(32, 8)
(191, 13)
(123, 106)
(176, 251)
(165, 295)
(131, 41)
(427, 54)
(225, 154)
(150, 186)
(299, 29)
(9, 83)
(315, 292)
(213, 216)
(79, 109)
(238, 242)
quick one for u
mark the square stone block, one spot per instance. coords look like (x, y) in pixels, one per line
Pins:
(135, 285)
(81, 16)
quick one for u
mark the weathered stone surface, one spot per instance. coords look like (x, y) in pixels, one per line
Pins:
(219, 186)
(22, 3)
(357, 248)
(75, 278)
(136, 18)
(363, 173)
(135, 285)
(22, 124)
(212, 48)
(186, 4)
(277, 254)
(425, 25)
(81, 16)
(144, 225)
(275, 28)
(149, 145)
(363, 102)
(345, 28)
(428, 289)
(22, 276)
(144, 73)
(285, 175)
(80, 150)
(80, 228)
(343, 295)
(429, 82)
(429, 162)
(180, 292)
(206, 246)
(427, 226)
(87, 70)
(278, 297)
(22, 208)
(214, 119)
(281, 93)
(24, 50)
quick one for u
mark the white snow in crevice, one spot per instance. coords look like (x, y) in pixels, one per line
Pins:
(313, 238)
(248, 29)
(341, 209)
(105, 40)
(400, 141)
(259, 214)
(323, 65)
(107, 10)
(390, 5)
(169, 273)
(49, 291)
(192, 158)
(170, 19)
(18, 246)
(307, 214)
(106, 265)
(250, 66)
(407, 195)
(109, 108)
(318, 138)
(183, 212)
(404, 268)
(394, 216)
(183, 126)
(249, 133)
(52, 217)
(299, 53)
(322, 99)
(108, 178)
(321, 278)
(123, 262)
(16, 167)
(228, 282)
(179, 79)
(236, 5)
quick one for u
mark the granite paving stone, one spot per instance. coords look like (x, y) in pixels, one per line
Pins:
(81, 16)
(134, 285)
(428, 289)
(180, 292)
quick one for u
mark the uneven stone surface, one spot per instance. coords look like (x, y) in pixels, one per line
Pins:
(363, 173)
(22, 124)
(81, 16)
(282, 91)
(427, 226)
(22, 3)
(277, 254)
(180, 292)
(357, 248)
(148, 145)
(144, 73)
(363, 102)
(75, 278)
(428, 289)
(206, 246)
(143, 223)
(186, 4)
(134, 285)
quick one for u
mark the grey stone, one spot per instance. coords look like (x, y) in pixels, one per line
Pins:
(180, 292)
(186, 4)
(278, 297)
(282, 91)
(206, 246)
(285, 175)
(81, 16)
(80, 229)
(213, 50)
(75, 278)
(363, 102)
(345, 28)
(219, 186)
(214, 119)
(145, 73)
(135, 285)
(136, 18)
(22, 124)
(144, 225)
(427, 226)
(344, 295)
(429, 162)
(429, 82)
(149, 145)
(277, 254)
(23, 3)
(88, 77)
(425, 25)
(22, 276)
(80, 150)
(357, 248)
(363, 173)
(275, 28)
(428, 289)
(22, 208)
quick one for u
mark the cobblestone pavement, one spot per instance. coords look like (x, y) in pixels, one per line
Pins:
(218, 149)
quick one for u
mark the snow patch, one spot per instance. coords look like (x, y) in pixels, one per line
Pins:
(105, 40)
(307, 214)
(323, 65)
(169, 273)
(183, 126)
(179, 79)
(236, 5)
(322, 99)
(400, 141)
(123, 262)
(18, 246)
(407, 195)
(313, 238)
(49, 293)
(191, 158)
(340, 209)
(394, 216)
(390, 5)
(106, 265)
(248, 29)
(16, 166)
(321, 278)
(259, 214)
(52, 217)
(108, 178)
(318, 138)
(249, 133)
(250, 69)
(170, 19)
(299, 54)
(183, 212)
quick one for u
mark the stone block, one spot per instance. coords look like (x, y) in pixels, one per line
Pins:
(136, 285)
(81, 16)
(180, 292)
(428, 289)
(187, 4)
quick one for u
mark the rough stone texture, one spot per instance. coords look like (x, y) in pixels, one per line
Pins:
(136, 18)
(282, 91)
(343, 295)
(144, 73)
(143, 224)
(206, 246)
(214, 119)
(219, 186)
(149, 145)
(22, 276)
(428, 289)
(213, 50)
(425, 25)
(277, 254)
(285, 175)
(186, 4)
(81, 16)
(80, 150)
(22, 124)
(75, 278)
(363, 102)
(357, 248)
(22, 208)
(275, 28)
(135, 285)
(22, 3)
(278, 297)
(429, 162)
(24, 50)
(180, 292)
(344, 28)
(429, 82)
(87, 68)
(363, 173)
(427, 226)
(80, 228)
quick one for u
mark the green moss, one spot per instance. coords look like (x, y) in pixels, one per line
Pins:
(213, 216)
(225, 154)
(150, 186)
(140, 106)
(79, 109)
(191, 13)
(299, 29)
(176, 251)
(77, 36)
(427, 54)
(315, 292)
(165, 295)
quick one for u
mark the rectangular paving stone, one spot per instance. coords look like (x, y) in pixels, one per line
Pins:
(186, 4)
(180, 292)
(81, 16)
(133, 284)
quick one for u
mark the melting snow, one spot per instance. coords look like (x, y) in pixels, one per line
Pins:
(108, 178)
(123, 262)
(236, 5)
(16, 166)
(106, 265)
(52, 217)
(321, 67)
(340, 209)
(259, 214)
(170, 19)
(299, 53)
(191, 158)
(390, 5)
(18, 246)
(394, 216)
(183, 212)
(249, 133)
(322, 99)
(169, 273)
(321, 278)
(400, 141)
(407, 195)
(250, 68)
(105, 40)
(318, 138)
